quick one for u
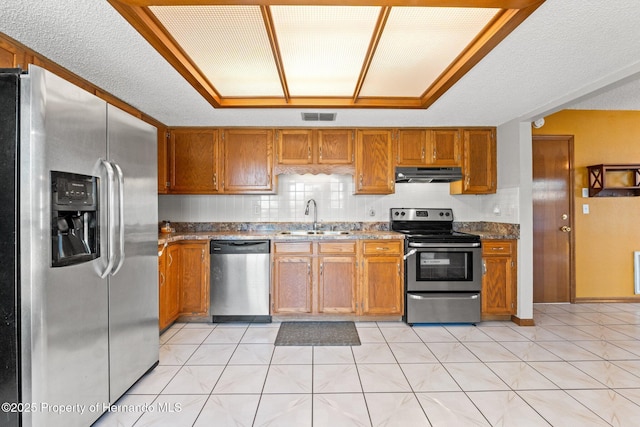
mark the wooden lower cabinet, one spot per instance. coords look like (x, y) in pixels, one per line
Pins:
(323, 277)
(183, 278)
(382, 277)
(169, 282)
(499, 260)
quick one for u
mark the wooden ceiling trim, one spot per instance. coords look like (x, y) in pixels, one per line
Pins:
(325, 102)
(373, 45)
(152, 30)
(499, 28)
(275, 48)
(497, 4)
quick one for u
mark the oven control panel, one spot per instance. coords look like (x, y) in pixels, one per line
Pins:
(421, 214)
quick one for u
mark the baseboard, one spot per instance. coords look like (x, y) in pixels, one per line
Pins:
(607, 299)
(522, 322)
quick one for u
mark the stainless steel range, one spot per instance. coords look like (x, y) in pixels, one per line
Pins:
(443, 267)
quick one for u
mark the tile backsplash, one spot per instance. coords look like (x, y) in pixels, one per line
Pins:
(336, 202)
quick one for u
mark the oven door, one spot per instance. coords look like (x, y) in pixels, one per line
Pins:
(443, 267)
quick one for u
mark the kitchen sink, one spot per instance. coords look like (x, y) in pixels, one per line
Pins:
(315, 233)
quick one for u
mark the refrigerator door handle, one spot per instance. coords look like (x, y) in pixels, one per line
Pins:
(120, 176)
(110, 219)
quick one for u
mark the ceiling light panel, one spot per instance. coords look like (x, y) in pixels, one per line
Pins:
(323, 47)
(417, 45)
(229, 44)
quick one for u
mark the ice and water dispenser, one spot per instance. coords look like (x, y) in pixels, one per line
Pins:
(74, 218)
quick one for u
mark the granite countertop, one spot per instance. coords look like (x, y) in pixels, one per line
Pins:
(273, 235)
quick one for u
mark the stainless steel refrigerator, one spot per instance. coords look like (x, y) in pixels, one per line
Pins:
(78, 251)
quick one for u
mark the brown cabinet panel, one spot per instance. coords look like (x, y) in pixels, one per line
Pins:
(337, 284)
(194, 292)
(412, 147)
(445, 147)
(479, 163)
(163, 161)
(294, 146)
(248, 161)
(374, 165)
(499, 277)
(382, 290)
(194, 161)
(292, 284)
(168, 286)
(335, 146)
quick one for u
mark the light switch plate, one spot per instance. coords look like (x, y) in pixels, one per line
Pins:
(585, 192)
(585, 209)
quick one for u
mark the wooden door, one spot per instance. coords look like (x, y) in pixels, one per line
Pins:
(194, 162)
(248, 160)
(374, 165)
(479, 161)
(411, 147)
(552, 218)
(294, 146)
(335, 146)
(194, 283)
(445, 147)
(337, 284)
(292, 284)
(381, 285)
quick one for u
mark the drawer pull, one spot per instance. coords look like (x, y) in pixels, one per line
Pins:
(380, 248)
(498, 249)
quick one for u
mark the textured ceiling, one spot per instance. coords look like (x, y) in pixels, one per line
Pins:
(565, 51)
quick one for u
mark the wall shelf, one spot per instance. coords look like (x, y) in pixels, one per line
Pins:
(614, 180)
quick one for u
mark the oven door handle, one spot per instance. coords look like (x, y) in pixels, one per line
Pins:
(443, 245)
(410, 253)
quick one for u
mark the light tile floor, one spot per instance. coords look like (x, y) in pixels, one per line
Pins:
(579, 366)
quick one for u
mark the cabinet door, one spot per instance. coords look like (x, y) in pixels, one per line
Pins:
(445, 147)
(374, 165)
(248, 161)
(171, 297)
(294, 147)
(163, 161)
(194, 283)
(411, 147)
(292, 284)
(479, 162)
(162, 281)
(194, 159)
(382, 289)
(13, 57)
(335, 146)
(496, 286)
(337, 284)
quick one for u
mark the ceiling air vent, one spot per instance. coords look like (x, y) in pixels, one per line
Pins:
(314, 117)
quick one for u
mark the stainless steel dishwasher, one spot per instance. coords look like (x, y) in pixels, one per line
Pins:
(240, 280)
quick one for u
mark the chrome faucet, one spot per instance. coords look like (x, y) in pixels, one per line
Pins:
(315, 213)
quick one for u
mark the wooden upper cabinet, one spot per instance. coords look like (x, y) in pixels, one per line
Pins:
(412, 147)
(335, 146)
(248, 161)
(294, 147)
(374, 162)
(163, 161)
(194, 159)
(12, 56)
(445, 147)
(478, 163)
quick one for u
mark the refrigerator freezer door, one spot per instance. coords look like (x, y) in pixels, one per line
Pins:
(64, 312)
(133, 289)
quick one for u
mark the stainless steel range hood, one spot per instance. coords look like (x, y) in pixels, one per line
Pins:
(428, 174)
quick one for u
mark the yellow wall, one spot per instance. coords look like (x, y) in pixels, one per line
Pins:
(606, 238)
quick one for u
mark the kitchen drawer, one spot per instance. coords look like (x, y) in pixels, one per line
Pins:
(293, 247)
(337, 247)
(496, 247)
(380, 247)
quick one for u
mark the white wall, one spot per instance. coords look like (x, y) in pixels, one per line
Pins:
(336, 202)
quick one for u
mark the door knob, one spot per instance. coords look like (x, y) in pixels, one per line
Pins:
(565, 229)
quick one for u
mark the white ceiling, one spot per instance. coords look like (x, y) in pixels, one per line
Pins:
(568, 54)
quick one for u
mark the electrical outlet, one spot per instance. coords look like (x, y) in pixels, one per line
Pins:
(256, 208)
(372, 212)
